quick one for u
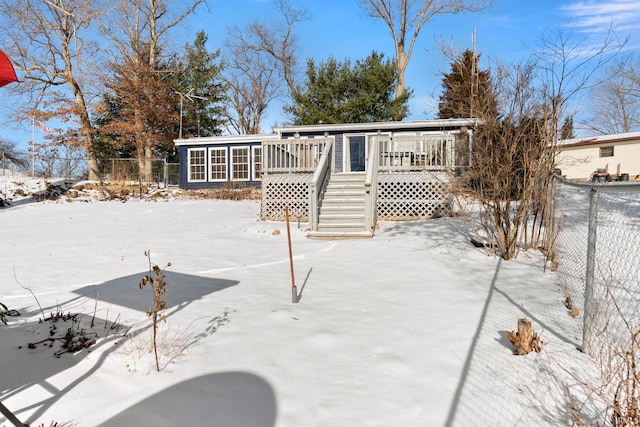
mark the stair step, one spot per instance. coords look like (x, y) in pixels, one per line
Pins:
(348, 176)
(345, 195)
(335, 235)
(342, 219)
(351, 196)
(341, 227)
(342, 210)
(343, 187)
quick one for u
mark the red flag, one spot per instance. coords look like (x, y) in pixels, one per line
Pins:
(44, 128)
(7, 73)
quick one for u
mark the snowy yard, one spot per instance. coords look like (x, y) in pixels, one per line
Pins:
(405, 329)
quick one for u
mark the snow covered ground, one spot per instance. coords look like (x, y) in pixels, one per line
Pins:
(405, 329)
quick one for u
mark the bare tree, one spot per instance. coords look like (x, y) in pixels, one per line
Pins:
(9, 154)
(48, 43)
(137, 30)
(512, 160)
(273, 45)
(406, 18)
(567, 65)
(253, 84)
(614, 105)
(507, 158)
(633, 74)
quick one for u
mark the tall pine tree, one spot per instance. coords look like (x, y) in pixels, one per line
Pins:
(201, 80)
(467, 90)
(337, 92)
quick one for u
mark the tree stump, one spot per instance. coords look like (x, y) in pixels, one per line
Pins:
(525, 340)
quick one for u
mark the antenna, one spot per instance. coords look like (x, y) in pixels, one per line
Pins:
(474, 73)
(190, 96)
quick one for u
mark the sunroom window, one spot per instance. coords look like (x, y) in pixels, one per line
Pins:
(240, 163)
(197, 164)
(218, 164)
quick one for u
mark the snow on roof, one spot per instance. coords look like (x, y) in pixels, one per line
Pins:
(600, 139)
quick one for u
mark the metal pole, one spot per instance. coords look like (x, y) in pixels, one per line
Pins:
(180, 116)
(33, 147)
(294, 291)
(589, 278)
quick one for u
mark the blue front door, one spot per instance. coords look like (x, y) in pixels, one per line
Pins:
(357, 153)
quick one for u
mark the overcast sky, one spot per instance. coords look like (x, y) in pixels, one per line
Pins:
(339, 28)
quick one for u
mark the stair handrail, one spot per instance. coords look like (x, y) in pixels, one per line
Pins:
(318, 184)
(370, 186)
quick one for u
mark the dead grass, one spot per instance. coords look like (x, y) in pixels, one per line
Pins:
(230, 191)
(223, 193)
(125, 190)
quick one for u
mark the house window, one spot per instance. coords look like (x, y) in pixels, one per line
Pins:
(240, 163)
(218, 164)
(197, 165)
(257, 163)
(606, 151)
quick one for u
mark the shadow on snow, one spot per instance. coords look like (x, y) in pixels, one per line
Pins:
(124, 291)
(227, 399)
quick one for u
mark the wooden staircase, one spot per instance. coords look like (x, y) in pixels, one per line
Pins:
(342, 210)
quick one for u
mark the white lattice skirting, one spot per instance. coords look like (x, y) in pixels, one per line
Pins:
(412, 195)
(282, 190)
(401, 196)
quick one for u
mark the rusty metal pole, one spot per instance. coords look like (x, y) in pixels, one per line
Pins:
(294, 291)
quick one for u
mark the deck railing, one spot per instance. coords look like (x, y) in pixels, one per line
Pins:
(292, 155)
(319, 184)
(370, 184)
(416, 152)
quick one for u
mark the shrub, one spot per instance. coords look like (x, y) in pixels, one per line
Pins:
(155, 279)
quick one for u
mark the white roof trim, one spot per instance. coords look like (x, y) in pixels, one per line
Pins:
(225, 139)
(378, 125)
(344, 127)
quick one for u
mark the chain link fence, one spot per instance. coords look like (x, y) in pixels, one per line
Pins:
(123, 170)
(162, 172)
(596, 253)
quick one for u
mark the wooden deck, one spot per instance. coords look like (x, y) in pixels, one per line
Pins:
(405, 179)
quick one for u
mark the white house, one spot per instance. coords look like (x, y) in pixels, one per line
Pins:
(618, 154)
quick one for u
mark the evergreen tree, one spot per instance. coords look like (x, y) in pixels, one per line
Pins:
(566, 132)
(106, 143)
(467, 91)
(336, 92)
(202, 83)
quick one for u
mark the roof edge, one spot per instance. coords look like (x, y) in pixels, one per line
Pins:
(224, 139)
(379, 125)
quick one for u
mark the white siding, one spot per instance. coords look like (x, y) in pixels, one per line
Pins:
(579, 162)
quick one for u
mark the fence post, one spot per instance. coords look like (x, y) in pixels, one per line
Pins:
(166, 173)
(551, 216)
(589, 277)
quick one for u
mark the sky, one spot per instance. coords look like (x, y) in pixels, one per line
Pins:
(408, 328)
(507, 32)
